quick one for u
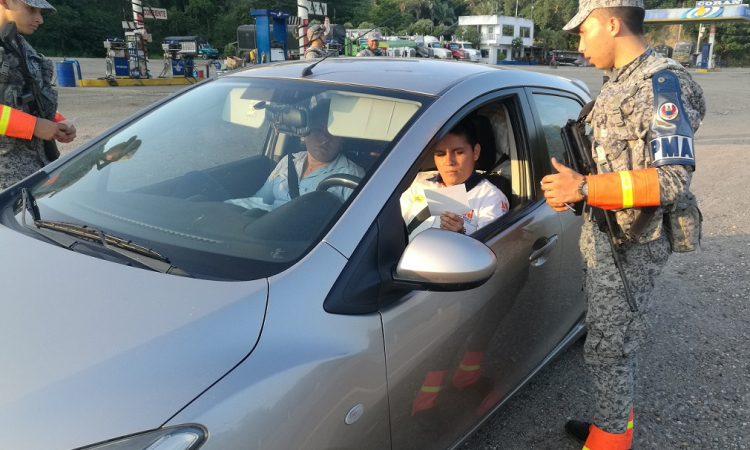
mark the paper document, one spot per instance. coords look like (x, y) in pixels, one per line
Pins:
(454, 199)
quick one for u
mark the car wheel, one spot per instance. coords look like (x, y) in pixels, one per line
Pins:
(204, 56)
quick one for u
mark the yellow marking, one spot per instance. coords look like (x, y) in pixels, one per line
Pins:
(630, 424)
(627, 189)
(430, 389)
(418, 199)
(468, 368)
(4, 119)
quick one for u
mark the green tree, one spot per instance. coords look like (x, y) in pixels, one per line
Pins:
(469, 34)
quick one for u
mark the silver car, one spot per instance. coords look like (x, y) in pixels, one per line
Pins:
(142, 310)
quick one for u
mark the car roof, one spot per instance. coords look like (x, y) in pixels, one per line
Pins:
(418, 75)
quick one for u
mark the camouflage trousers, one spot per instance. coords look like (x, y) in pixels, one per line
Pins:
(614, 331)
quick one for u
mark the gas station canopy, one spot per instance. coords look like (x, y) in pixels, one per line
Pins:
(704, 11)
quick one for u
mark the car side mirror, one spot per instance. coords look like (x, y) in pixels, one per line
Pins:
(442, 260)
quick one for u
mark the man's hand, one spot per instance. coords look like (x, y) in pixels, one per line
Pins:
(48, 130)
(562, 187)
(452, 222)
(69, 135)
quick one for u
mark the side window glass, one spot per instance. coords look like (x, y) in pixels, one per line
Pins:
(554, 112)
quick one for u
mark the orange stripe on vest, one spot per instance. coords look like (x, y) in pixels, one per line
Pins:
(631, 189)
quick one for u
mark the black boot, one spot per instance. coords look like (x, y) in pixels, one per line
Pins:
(578, 430)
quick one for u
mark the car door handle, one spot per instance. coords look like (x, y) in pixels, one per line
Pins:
(543, 251)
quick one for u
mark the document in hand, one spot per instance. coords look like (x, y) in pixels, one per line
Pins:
(454, 199)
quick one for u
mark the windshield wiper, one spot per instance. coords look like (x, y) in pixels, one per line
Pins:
(134, 252)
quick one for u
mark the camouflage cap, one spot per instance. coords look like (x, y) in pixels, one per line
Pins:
(41, 4)
(374, 36)
(315, 31)
(585, 7)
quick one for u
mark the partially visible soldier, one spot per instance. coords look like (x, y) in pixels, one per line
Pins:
(643, 123)
(373, 41)
(23, 125)
(316, 36)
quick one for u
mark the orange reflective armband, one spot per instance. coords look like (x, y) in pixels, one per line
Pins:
(626, 189)
(15, 123)
(58, 117)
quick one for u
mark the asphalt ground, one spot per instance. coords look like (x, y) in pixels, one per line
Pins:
(693, 388)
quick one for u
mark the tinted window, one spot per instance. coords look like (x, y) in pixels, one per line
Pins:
(554, 112)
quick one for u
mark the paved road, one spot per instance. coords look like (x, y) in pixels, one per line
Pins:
(693, 390)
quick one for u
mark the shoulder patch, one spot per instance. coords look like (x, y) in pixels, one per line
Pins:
(671, 136)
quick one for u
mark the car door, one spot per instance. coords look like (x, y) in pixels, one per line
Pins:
(552, 110)
(453, 357)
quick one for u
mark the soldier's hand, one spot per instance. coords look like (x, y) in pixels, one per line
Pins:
(69, 135)
(48, 130)
(562, 187)
(451, 221)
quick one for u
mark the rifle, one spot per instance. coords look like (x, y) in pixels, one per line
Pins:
(579, 158)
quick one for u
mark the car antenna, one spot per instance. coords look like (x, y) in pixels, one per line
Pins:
(308, 70)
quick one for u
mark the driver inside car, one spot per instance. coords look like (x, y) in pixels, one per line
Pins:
(454, 156)
(321, 159)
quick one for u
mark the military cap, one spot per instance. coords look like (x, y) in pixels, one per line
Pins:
(374, 36)
(315, 31)
(41, 4)
(585, 7)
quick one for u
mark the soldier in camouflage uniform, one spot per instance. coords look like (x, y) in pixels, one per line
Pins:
(22, 152)
(316, 35)
(373, 41)
(643, 123)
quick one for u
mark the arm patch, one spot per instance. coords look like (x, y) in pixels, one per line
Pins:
(671, 137)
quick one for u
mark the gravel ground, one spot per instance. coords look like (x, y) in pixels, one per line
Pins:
(693, 390)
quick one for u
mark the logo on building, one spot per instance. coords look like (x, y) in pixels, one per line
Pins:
(703, 12)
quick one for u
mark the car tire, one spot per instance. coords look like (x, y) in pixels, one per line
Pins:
(204, 56)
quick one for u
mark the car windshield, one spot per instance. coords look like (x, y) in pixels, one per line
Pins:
(455, 46)
(204, 179)
(467, 46)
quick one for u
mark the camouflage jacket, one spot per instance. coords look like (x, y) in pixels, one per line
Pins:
(621, 123)
(20, 158)
(315, 52)
(368, 52)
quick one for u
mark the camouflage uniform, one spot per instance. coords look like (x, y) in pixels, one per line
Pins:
(620, 121)
(20, 158)
(313, 52)
(367, 52)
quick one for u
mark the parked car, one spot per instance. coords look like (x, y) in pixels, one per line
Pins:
(140, 307)
(464, 51)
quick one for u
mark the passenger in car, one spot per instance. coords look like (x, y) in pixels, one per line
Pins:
(321, 159)
(454, 156)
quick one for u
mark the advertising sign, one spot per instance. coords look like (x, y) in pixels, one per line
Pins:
(154, 13)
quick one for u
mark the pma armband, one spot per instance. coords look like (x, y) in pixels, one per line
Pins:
(671, 135)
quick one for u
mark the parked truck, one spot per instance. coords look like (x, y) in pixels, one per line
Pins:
(193, 46)
(683, 52)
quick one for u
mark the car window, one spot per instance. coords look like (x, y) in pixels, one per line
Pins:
(205, 180)
(554, 112)
(501, 162)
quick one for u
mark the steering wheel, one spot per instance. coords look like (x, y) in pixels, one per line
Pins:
(339, 179)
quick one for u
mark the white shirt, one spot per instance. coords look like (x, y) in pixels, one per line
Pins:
(275, 191)
(486, 201)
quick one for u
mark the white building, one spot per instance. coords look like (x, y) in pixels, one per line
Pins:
(497, 33)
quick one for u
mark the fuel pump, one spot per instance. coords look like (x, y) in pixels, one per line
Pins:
(173, 59)
(270, 34)
(116, 59)
(137, 54)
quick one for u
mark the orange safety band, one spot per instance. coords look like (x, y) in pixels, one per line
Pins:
(601, 440)
(626, 189)
(15, 123)
(58, 117)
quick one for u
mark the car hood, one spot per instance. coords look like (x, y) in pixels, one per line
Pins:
(92, 350)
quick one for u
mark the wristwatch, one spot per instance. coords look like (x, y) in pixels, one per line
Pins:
(583, 189)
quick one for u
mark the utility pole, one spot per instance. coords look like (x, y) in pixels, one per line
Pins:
(302, 14)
